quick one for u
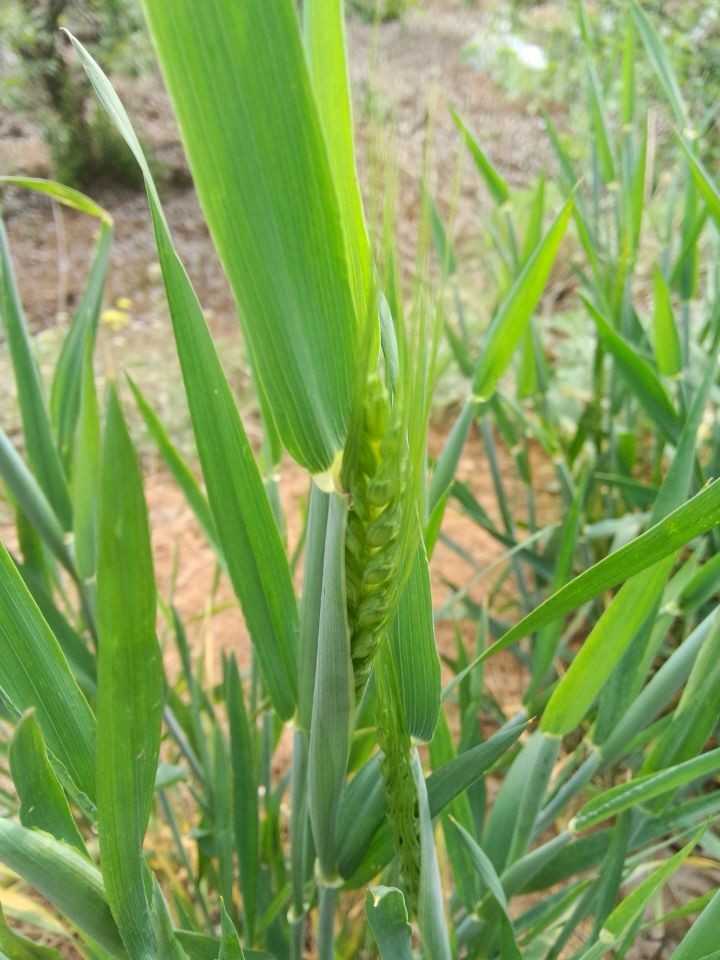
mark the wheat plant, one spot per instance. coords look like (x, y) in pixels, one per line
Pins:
(146, 811)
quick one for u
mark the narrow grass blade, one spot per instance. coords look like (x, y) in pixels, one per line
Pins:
(657, 694)
(198, 946)
(676, 485)
(333, 704)
(43, 804)
(598, 113)
(35, 673)
(67, 380)
(278, 231)
(641, 789)
(660, 62)
(32, 500)
(311, 601)
(65, 878)
(700, 943)
(178, 467)
(442, 245)
(86, 464)
(510, 828)
(73, 646)
(639, 375)
(230, 948)
(388, 919)
(243, 517)
(67, 196)
(431, 902)
(511, 320)
(603, 649)
(668, 351)
(549, 637)
(364, 842)
(484, 866)
(245, 796)
(222, 813)
(40, 445)
(15, 947)
(695, 517)
(696, 714)
(493, 180)
(130, 683)
(412, 641)
(446, 466)
(705, 182)
(632, 907)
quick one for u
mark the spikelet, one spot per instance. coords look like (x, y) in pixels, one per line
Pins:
(396, 769)
(372, 542)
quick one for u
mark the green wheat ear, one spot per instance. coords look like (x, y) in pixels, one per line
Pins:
(402, 803)
(376, 487)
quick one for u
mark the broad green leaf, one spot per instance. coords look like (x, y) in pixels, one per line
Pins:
(260, 165)
(326, 48)
(665, 538)
(130, 683)
(641, 789)
(700, 943)
(511, 320)
(603, 649)
(668, 351)
(177, 466)
(64, 877)
(243, 517)
(388, 919)
(431, 902)
(334, 701)
(493, 180)
(39, 443)
(43, 804)
(35, 673)
(412, 641)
